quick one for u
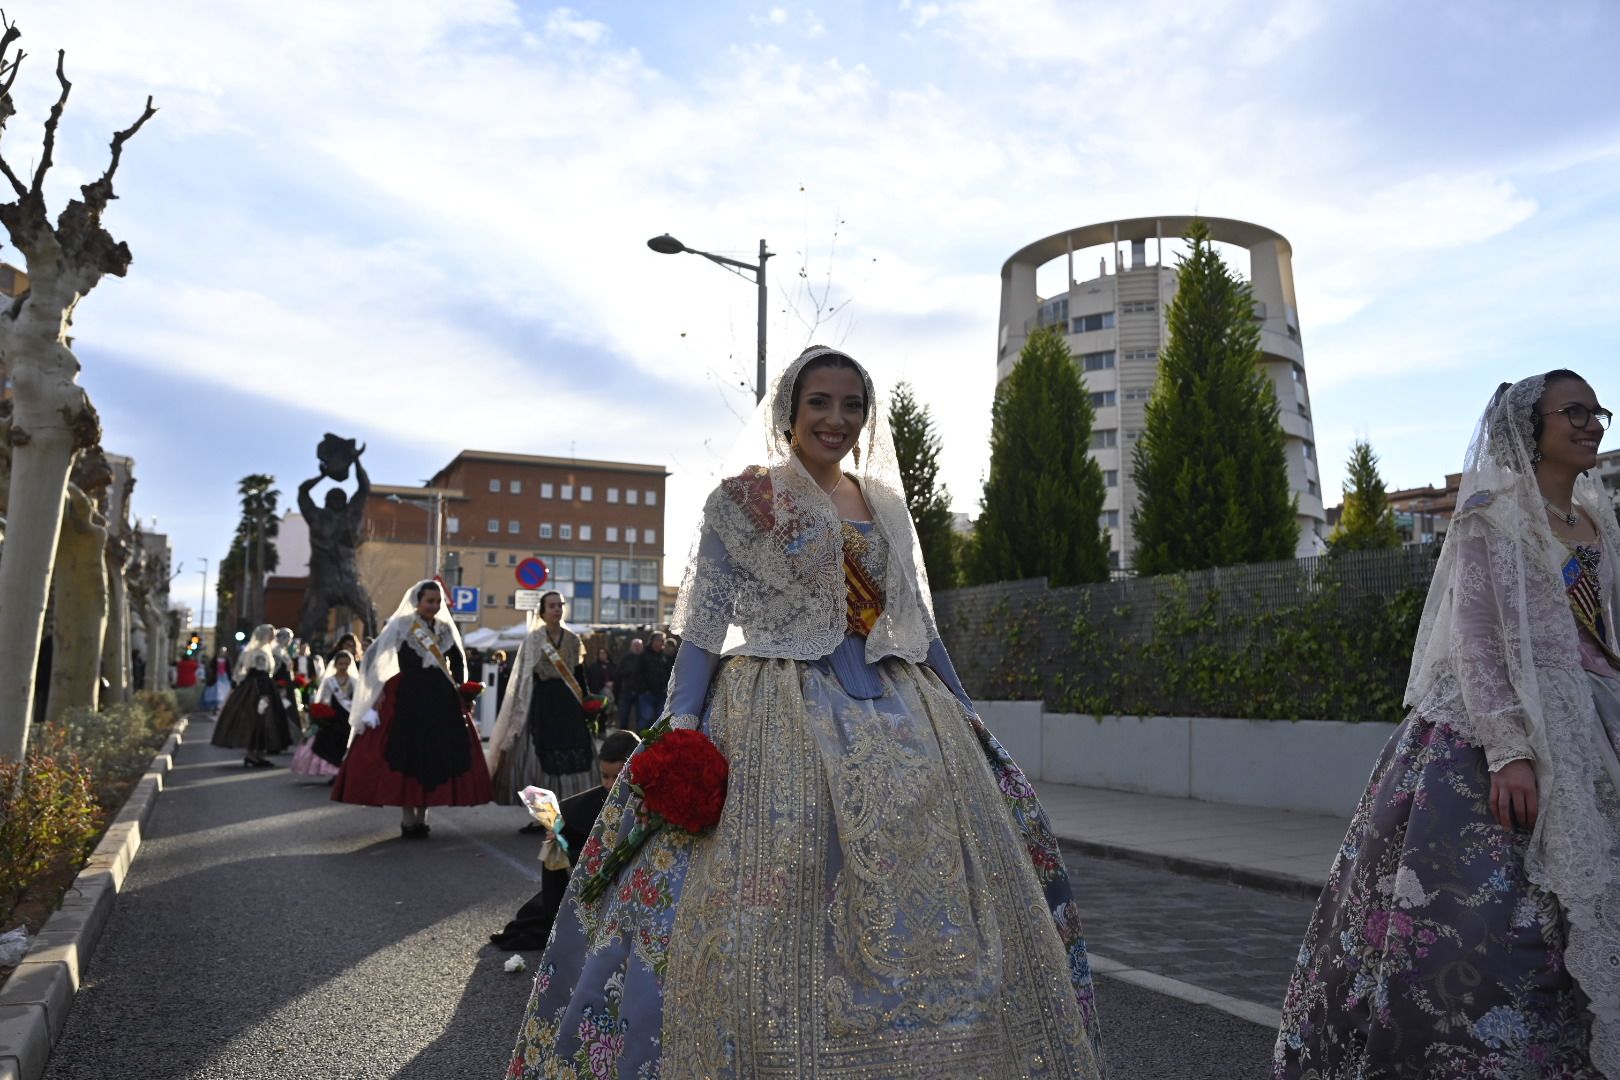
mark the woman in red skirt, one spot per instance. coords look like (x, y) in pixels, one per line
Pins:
(414, 743)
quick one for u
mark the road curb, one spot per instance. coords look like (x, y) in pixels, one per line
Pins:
(1294, 886)
(36, 999)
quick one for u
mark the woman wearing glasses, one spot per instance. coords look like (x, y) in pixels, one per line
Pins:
(1471, 922)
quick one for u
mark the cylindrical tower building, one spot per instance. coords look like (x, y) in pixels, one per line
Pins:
(1115, 326)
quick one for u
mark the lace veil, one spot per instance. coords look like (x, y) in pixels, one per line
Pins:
(258, 653)
(766, 577)
(1497, 660)
(381, 661)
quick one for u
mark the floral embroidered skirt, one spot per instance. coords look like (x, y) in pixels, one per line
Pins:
(1430, 954)
(883, 897)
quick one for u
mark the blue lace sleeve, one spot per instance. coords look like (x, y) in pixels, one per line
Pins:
(689, 680)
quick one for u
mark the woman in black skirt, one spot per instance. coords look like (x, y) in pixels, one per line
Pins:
(254, 718)
(322, 752)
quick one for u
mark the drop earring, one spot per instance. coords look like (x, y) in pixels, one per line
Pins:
(857, 451)
(1535, 460)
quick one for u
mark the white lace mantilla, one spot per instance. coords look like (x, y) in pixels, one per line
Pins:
(766, 574)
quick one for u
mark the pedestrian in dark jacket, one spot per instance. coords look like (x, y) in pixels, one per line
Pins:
(627, 684)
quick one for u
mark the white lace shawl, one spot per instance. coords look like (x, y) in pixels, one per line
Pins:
(1498, 660)
(258, 654)
(333, 693)
(381, 661)
(766, 573)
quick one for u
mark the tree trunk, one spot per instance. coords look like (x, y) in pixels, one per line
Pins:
(50, 414)
(115, 656)
(79, 584)
(258, 572)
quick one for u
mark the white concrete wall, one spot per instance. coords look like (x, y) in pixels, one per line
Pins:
(1315, 766)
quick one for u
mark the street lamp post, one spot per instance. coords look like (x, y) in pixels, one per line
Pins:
(668, 245)
(433, 505)
(202, 620)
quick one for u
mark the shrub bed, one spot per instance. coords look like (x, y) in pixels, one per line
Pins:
(78, 773)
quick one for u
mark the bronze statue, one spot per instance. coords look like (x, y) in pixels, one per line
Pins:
(334, 534)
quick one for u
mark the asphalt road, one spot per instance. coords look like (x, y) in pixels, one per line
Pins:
(267, 932)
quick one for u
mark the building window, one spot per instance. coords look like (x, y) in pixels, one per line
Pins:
(584, 568)
(610, 570)
(613, 495)
(582, 609)
(494, 486)
(491, 599)
(1299, 373)
(493, 525)
(512, 528)
(1104, 399)
(647, 571)
(1150, 355)
(1107, 437)
(546, 491)
(1113, 560)
(565, 532)
(1085, 324)
(511, 601)
(545, 530)
(651, 537)
(568, 492)
(1097, 361)
(562, 569)
(610, 609)
(585, 493)
(514, 487)
(1132, 306)
(511, 559)
(489, 557)
(1110, 478)
(1109, 519)
(1310, 487)
(1303, 411)
(1310, 451)
(452, 525)
(1138, 393)
(630, 495)
(629, 536)
(585, 532)
(613, 534)
(652, 498)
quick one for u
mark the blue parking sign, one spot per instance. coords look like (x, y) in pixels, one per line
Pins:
(464, 600)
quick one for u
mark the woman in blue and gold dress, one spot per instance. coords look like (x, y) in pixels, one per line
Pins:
(883, 895)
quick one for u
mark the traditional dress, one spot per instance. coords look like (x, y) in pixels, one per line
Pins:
(254, 717)
(540, 736)
(414, 740)
(219, 685)
(530, 928)
(1446, 947)
(322, 752)
(882, 895)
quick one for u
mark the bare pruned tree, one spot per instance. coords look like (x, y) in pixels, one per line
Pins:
(52, 419)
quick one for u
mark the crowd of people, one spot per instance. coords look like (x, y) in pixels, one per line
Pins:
(878, 891)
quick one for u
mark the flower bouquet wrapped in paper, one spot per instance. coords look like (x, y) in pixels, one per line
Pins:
(471, 690)
(680, 777)
(544, 808)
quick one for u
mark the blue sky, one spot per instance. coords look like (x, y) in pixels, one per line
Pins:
(422, 224)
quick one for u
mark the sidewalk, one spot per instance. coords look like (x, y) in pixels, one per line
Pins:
(1277, 850)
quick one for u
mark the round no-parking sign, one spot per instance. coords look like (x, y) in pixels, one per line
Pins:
(532, 573)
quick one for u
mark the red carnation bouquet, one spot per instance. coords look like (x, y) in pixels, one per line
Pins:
(681, 777)
(321, 712)
(301, 681)
(470, 690)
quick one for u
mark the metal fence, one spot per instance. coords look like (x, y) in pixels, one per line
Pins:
(1267, 639)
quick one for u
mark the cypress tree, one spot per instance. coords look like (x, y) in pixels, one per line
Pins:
(1044, 494)
(1367, 522)
(1211, 468)
(917, 446)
